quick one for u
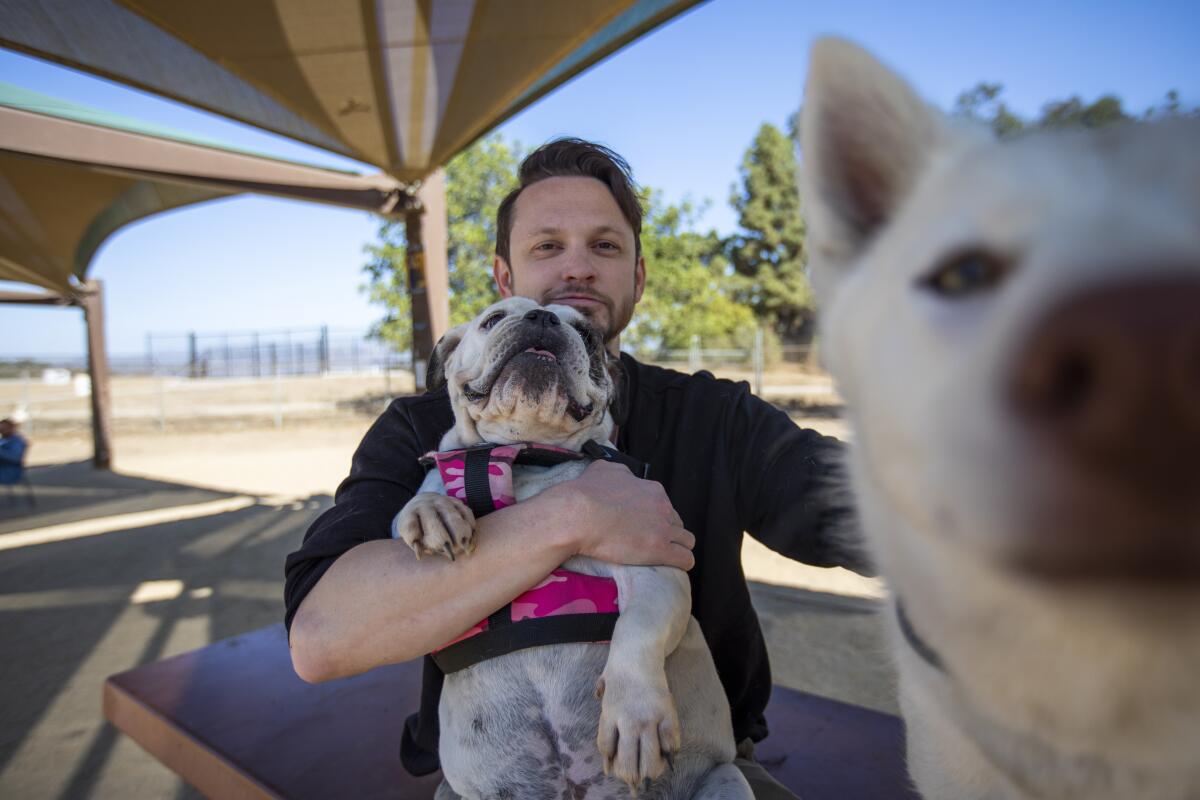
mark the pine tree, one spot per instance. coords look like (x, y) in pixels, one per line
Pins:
(768, 253)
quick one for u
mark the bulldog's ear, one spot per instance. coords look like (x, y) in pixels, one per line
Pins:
(865, 136)
(435, 374)
(618, 404)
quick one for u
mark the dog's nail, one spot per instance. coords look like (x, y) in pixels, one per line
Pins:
(600, 689)
(670, 759)
(646, 785)
(449, 552)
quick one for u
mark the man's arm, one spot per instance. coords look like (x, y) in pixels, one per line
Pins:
(792, 493)
(377, 604)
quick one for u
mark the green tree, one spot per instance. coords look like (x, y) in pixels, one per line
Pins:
(477, 179)
(768, 252)
(983, 104)
(689, 286)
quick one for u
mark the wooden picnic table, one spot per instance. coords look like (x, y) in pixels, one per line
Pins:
(233, 720)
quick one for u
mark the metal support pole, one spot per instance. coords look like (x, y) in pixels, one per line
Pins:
(278, 393)
(256, 357)
(162, 403)
(422, 333)
(192, 366)
(323, 353)
(27, 402)
(92, 301)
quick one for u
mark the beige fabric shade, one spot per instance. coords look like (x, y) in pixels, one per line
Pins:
(70, 176)
(400, 84)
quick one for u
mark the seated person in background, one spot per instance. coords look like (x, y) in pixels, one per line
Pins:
(12, 453)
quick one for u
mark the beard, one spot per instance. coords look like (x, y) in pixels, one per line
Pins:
(610, 317)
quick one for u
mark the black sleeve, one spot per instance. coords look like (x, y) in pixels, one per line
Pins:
(791, 493)
(384, 475)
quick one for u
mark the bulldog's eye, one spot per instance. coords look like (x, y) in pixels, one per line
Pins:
(967, 273)
(491, 320)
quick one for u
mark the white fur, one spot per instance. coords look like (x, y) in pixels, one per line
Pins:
(1050, 691)
(657, 687)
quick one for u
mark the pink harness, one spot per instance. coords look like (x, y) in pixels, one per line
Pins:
(564, 608)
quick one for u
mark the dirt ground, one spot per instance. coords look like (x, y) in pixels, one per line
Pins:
(311, 458)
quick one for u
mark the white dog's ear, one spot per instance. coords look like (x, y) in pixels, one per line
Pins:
(865, 136)
(435, 374)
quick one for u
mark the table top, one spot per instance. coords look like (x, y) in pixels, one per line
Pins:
(234, 721)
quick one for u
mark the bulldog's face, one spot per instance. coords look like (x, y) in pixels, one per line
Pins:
(524, 372)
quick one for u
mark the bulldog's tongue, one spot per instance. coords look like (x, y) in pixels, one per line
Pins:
(542, 353)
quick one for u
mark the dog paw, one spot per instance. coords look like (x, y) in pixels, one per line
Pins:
(437, 524)
(639, 732)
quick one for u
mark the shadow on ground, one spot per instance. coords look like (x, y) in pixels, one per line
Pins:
(74, 611)
(76, 491)
(827, 644)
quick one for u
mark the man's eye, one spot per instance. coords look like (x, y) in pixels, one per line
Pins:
(607, 246)
(491, 320)
(967, 273)
(546, 246)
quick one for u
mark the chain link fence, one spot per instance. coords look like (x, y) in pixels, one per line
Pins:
(213, 381)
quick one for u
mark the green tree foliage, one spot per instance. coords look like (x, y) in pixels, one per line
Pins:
(476, 181)
(689, 286)
(983, 104)
(768, 252)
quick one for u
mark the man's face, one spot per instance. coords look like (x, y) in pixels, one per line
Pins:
(6, 429)
(571, 245)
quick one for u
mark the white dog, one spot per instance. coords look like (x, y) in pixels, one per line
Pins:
(1015, 327)
(527, 723)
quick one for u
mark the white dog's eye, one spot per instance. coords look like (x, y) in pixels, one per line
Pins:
(966, 273)
(492, 320)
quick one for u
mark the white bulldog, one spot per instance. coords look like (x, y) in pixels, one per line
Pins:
(1015, 327)
(590, 720)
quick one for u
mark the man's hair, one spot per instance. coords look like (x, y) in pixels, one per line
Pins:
(572, 158)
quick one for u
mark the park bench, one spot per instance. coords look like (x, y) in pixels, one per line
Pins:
(234, 721)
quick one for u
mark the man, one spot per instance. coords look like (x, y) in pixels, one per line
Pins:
(721, 462)
(12, 453)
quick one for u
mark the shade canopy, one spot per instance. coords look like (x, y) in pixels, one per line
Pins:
(70, 176)
(399, 84)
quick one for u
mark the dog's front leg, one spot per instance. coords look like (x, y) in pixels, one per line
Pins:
(639, 726)
(432, 522)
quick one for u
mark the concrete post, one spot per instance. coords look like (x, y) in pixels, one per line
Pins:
(92, 301)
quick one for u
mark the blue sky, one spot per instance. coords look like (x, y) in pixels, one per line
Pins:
(681, 104)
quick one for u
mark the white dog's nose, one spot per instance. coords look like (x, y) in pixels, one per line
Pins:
(1113, 376)
(1106, 393)
(543, 317)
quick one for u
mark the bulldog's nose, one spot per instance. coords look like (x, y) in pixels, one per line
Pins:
(1111, 377)
(542, 317)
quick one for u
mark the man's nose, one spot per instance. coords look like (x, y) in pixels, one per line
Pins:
(578, 267)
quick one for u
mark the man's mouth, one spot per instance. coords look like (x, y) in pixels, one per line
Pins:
(578, 300)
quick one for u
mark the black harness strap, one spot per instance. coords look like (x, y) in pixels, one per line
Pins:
(923, 648)
(477, 484)
(595, 450)
(510, 637)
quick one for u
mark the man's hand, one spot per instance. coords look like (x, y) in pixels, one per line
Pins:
(621, 519)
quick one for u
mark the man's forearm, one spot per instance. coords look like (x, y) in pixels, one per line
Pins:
(378, 604)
